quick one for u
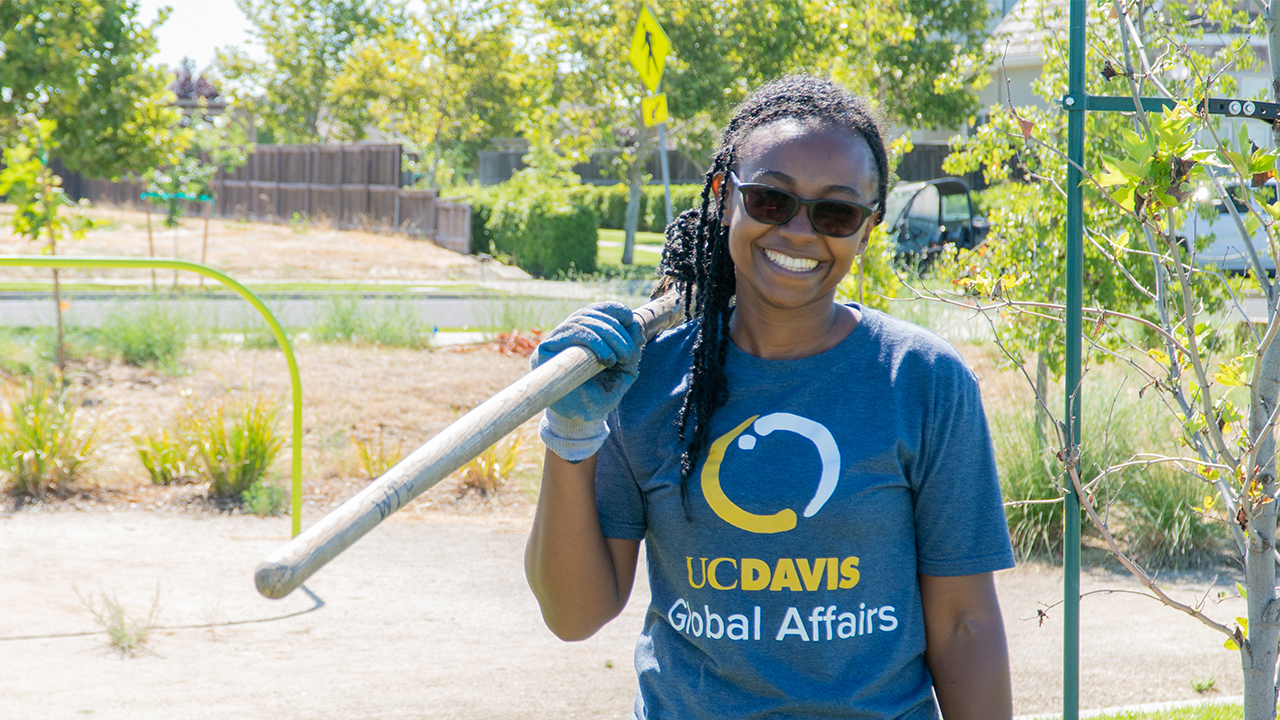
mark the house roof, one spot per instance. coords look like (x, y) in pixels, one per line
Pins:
(1019, 39)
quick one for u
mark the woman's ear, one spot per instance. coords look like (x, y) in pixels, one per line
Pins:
(717, 181)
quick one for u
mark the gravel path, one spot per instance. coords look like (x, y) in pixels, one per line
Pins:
(429, 617)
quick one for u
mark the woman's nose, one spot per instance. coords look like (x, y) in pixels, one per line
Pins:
(800, 225)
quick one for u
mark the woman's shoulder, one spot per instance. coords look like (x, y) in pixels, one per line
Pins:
(902, 343)
(676, 342)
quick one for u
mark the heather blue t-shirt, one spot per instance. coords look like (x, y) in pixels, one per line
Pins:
(789, 590)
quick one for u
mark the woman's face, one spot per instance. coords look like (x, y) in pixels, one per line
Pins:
(792, 266)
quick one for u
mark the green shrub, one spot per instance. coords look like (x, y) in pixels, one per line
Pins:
(235, 442)
(152, 334)
(265, 498)
(43, 446)
(607, 202)
(610, 204)
(541, 228)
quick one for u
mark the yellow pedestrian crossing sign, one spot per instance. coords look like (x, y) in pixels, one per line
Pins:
(654, 109)
(649, 48)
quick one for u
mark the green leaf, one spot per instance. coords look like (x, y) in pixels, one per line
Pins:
(1230, 374)
(1244, 626)
(1240, 589)
(1230, 644)
(1112, 175)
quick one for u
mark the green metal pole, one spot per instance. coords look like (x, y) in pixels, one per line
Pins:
(66, 261)
(1075, 107)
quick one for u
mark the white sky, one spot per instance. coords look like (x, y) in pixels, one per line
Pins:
(195, 29)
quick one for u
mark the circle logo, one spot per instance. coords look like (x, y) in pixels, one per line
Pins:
(784, 519)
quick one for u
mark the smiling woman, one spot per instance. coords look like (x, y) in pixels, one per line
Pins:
(814, 482)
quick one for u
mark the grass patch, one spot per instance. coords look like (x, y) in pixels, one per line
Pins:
(395, 323)
(642, 238)
(1150, 508)
(1212, 711)
(509, 314)
(149, 334)
(645, 257)
(43, 444)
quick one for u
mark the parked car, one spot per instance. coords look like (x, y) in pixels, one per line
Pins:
(1227, 250)
(927, 216)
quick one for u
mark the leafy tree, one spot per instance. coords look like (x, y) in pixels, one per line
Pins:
(1148, 303)
(446, 81)
(83, 65)
(306, 43)
(722, 50)
(38, 199)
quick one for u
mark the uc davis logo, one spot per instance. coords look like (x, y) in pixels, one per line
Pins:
(784, 519)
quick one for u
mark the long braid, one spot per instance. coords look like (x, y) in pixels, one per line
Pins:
(695, 258)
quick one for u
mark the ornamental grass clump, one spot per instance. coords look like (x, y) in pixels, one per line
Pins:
(44, 446)
(235, 442)
(376, 455)
(489, 471)
(166, 456)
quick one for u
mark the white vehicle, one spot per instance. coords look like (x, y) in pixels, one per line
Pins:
(1227, 250)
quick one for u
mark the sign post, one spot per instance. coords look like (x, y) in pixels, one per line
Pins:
(649, 49)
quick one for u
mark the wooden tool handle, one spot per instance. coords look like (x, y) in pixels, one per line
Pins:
(288, 567)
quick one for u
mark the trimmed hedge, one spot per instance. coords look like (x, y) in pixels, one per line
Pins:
(543, 229)
(610, 204)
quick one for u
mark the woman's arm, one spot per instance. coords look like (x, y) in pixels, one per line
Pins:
(581, 578)
(965, 647)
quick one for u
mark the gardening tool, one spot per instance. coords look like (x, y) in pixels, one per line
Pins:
(288, 567)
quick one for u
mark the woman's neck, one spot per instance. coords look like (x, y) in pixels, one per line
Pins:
(777, 334)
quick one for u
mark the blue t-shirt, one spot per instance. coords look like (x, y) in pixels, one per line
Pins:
(787, 586)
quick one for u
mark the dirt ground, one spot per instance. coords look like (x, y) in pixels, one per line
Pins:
(251, 251)
(395, 398)
(428, 616)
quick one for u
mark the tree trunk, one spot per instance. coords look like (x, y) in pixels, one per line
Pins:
(1258, 652)
(635, 180)
(635, 184)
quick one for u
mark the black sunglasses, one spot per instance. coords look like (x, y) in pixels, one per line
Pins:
(775, 206)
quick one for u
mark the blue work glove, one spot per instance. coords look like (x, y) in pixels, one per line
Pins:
(574, 426)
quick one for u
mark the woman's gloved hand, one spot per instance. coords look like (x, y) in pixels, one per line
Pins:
(574, 427)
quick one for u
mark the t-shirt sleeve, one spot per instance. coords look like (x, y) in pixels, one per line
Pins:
(618, 499)
(960, 521)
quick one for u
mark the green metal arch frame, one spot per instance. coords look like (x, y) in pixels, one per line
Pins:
(295, 378)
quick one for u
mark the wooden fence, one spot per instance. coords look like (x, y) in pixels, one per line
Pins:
(349, 186)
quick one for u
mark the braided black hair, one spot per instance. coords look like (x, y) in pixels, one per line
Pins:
(695, 259)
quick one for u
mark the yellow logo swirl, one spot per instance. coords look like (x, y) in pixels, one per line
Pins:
(784, 520)
(720, 503)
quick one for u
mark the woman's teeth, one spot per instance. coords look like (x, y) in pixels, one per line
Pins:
(791, 263)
